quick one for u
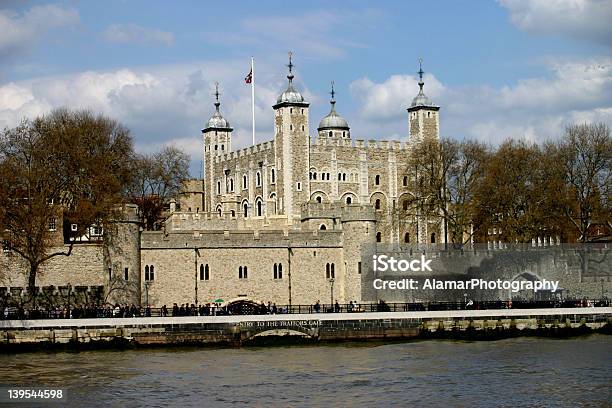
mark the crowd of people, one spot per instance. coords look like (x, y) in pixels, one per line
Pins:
(216, 309)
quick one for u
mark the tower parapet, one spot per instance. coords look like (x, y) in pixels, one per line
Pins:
(423, 115)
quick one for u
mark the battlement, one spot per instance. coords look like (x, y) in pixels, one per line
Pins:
(240, 239)
(363, 144)
(247, 151)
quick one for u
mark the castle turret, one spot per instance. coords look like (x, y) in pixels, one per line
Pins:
(292, 144)
(217, 135)
(423, 114)
(333, 125)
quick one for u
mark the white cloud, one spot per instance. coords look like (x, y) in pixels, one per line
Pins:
(161, 105)
(582, 19)
(22, 30)
(315, 34)
(534, 109)
(135, 34)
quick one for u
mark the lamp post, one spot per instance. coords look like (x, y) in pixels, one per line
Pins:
(331, 281)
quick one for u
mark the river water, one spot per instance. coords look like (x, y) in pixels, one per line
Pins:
(510, 373)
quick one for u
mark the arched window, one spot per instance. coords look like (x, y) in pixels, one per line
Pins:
(349, 200)
(377, 204)
(201, 271)
(220, 213)
(259, 212)
(339, 176)
(275, 268)
(407, 238)
(280, 271)
(314, 175)
(206, 272)
(333, 273)
(322, 227)
(343, 176)
(433, 237)
(231, 184)
(405, 205)
(244, 272)
(405, 181)
(330, 133)
(377, 180)
(244, 182)
(273, 175)
(258, 179)
(152, 273)
(245, 208)
(146, 272)
(218, 187)
(327, 271)
(240, 272)
(378, 237)
(233, 213)
(318, 199)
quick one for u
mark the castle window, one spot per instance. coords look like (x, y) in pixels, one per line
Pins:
(302, 111)
(405, 181)
(96, 231)
(218, 187)
(377, 204)
(330, 133)
(273, 175)
(322, 227)
(52, 225)
(428, 114)
(378, 237)
(242, 272)
(220, 212)
(405, 205)
(152, 273)
(231, 184)
(407, 238)
(377, 180)
(222, 147)
(244, 182)
(290, 110)
(359, 268)
(74, 227)
(314, 175)
(146, 272)
(290, 127)
(258, 179)
(278, 271)
(339, 176)
(233, 214)
(343, 134)
(302, 128)
(330, 272)
(204, 274)
(245, 208)
(125, 274)
(215, 147)
(343, 176)
(349, 200)
(299, 186)
(327, 176)
(433, 237)
(318, 199)
(258, 205)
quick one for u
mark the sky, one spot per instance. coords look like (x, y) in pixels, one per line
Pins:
(521, 69)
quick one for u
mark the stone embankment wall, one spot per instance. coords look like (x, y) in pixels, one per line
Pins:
(239, 330)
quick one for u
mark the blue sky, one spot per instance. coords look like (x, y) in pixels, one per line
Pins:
(499, 69)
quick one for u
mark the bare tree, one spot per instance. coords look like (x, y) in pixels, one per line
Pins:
(157, 178)
(585, 153)
(66, 165)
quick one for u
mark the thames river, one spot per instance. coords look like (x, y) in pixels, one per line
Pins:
(511, 373)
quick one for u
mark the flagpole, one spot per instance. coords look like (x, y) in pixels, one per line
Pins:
(253, 95)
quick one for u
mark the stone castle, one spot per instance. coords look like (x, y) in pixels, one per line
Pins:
(283, 221)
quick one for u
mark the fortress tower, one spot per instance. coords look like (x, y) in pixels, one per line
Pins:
(217, 141)
(423, 114)
(333, 125)
(292, 148)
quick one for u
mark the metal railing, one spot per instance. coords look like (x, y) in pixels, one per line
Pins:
(17, 313)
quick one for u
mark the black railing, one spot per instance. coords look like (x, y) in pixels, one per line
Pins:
(16, 313)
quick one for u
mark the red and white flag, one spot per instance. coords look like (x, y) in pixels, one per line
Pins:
(249, 78)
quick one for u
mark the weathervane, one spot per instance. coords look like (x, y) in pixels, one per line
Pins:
(333, 93)
(290, 65)
(217, 103)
